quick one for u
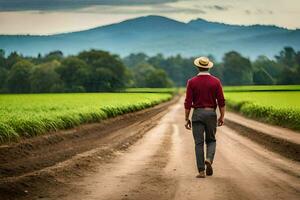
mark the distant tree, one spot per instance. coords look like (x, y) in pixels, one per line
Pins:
(74, 74)
(145, 75)
(2, 58)
(2, 53)
(287, 57)
(289, 76)
(298, 58)
(53, 55)
(44, 78)
(174, 66)
(12, 59)
(3, 77)
(18, 80)
(139, 73)
(177, 68)
(135, 59)
(102, 63)
(217, 70)
(261, 77)
(237, 69)
(158, 79)
(158, 60)
(3, 71)
(270, 66)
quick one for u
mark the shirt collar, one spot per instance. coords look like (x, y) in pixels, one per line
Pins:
(203, 73)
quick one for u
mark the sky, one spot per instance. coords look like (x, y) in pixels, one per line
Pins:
(43, 17)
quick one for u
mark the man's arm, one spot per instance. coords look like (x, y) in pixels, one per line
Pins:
(187, 105)
(222, 115)
(188, 123)
(221, 104)
(187, 114)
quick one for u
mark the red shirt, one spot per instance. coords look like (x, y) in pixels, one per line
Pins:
(202, 91)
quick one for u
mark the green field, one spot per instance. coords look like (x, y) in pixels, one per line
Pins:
(279, 100)
(279, 105)
(34, 114)
(253, 88)
(152, 90)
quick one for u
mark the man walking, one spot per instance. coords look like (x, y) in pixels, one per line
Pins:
(204, 93)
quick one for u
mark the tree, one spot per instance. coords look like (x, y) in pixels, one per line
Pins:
(74, 74)
(217, 70)
(44, 78)
(261, 77)
(3, 77)
(290, 76)
(176, 67)
(12, 59)
(115, 72)
(157, 78)
(157, 60)
(135, 59)
(270, 66)
(298, 58)
(54, 55)
(145, 75)
(2, 58)
(287, 57)
(237, 69)
(18, 80)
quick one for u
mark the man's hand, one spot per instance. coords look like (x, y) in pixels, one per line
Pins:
(220, 121)
(188, 124)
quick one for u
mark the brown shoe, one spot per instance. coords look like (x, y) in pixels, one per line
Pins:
(201, 175)
(209, 169)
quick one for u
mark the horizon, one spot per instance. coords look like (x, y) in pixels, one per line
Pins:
(61, 16)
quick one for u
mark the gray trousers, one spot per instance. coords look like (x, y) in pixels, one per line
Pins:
(204, 121)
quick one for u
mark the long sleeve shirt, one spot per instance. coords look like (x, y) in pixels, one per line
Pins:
(204, 90)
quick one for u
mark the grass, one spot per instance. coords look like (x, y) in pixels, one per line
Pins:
(28, 115)
(265, 88)
(277, 107)
(153, 90)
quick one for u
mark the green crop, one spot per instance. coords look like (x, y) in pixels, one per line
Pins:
(153, 90)
(254, 88)
(34, 114)
(277, 107)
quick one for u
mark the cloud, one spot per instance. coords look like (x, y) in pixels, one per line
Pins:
(18, 5)
(217, 7)
(259, 12)
(248, 12)
(157, 9)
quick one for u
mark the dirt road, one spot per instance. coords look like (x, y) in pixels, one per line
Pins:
(161, 165)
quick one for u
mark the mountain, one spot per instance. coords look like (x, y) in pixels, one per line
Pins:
(156, 34)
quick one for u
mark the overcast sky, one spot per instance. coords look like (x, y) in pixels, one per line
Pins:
(56, 16)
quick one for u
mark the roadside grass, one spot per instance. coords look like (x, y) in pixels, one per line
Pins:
(28, 115)
(153, 90)
(277, 107)
(265, 88)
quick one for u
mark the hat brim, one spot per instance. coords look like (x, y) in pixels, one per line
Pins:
(197, 64)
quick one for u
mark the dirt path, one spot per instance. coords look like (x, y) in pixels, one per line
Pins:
(161, 165)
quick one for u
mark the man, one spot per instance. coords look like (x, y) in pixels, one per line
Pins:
(204, 93)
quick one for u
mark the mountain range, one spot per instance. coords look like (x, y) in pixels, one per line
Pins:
(157, 34)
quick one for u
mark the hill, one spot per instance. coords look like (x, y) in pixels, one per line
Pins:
(156, 34)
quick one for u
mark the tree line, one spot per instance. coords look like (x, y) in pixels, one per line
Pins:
(89, 71)
(96, 70)
(234, 69)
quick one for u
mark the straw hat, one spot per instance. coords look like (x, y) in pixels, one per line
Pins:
(203, 62)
